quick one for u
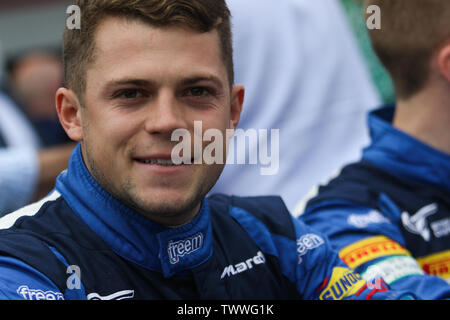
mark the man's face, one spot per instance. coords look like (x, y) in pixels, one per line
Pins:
(146, 82)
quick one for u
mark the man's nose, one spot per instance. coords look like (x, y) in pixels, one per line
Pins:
(165, 114)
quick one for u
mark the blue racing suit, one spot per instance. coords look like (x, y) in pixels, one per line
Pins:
(389, 214)
(81, 243)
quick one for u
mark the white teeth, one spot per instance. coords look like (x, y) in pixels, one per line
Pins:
(163, 162)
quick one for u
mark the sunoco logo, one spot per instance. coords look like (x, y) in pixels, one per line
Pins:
(343, 283)
(177, 249)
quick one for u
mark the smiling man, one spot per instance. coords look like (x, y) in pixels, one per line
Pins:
(149, 82)
(124, 221)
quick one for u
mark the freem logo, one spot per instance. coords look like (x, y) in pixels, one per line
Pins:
(177, 249)
(37, 294)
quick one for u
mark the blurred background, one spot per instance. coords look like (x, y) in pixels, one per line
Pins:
(34, 148)
(30, 60)
(307, 66)
(30, 24)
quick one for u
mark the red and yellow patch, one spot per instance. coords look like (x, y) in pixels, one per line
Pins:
(368, 249)
(437, 264)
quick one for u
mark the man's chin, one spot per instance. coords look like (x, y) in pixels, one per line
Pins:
(168, 210)
(168, 203)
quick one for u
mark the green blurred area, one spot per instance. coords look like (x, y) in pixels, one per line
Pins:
(355, 12)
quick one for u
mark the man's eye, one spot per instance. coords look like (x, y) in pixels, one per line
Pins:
(129, 94)
(198, 92)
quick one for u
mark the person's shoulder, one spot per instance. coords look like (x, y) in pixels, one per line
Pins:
(252, 204)
(20, 281)
(17, 218)
(356, 183)
(26, 233)
(28, 241)
(269, 211)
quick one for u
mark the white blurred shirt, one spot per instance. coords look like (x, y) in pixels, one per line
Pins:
(303, 75)
(19, 166)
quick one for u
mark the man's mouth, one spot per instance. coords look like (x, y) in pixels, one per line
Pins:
(161, 160)
(156, 161)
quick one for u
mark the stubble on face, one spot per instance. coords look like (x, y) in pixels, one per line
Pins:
(159, 210)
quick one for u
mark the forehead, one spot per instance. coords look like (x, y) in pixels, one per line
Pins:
(125, 48)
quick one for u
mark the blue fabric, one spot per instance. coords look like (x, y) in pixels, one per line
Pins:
(75, 293)
(19, 281)
(2, 141)
(127, 232)
(403, 155)
(306, 269)
(397, 174)
(122, 254)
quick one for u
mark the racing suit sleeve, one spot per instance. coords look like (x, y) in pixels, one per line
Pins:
(353, 228)
(308, 260)
(321, 274)
(19, 281)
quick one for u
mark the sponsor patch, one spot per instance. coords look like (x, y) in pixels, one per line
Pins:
(37, 294)
(393, 269)
(417, 223)
(248, 264)
(308, 242)
(441, 228)
(120, 295)
(343, 282)
(437, 264)
(366, 250)
(363, 220)
(180, 248)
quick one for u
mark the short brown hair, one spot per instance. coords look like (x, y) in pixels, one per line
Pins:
(199, 15)
(411, 32)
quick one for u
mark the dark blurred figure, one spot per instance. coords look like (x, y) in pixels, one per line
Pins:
(27, 171)
(34, 148)
(34, 77)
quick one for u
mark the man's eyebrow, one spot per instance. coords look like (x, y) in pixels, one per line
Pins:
(196, 79)
(147, 83)
(135, 82)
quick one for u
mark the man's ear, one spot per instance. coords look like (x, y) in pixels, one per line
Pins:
(237, 101)
(444, 61)
(69, 113)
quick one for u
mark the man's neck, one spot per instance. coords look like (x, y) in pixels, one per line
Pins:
(426, 117)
